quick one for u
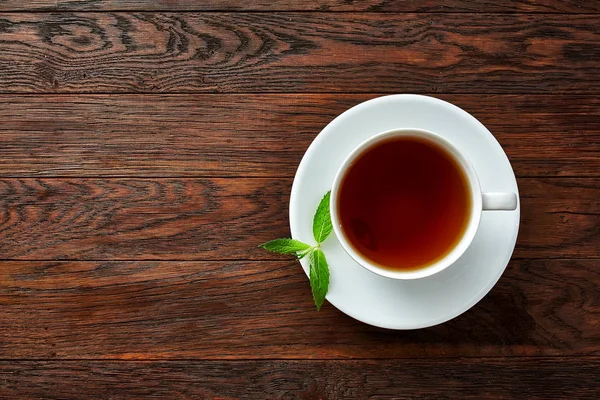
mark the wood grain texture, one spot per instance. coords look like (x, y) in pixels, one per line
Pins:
(531, 378)
(225, 219)
(546, 6)
(259, 135)
(264, 310)
(140, 219)
(148, 147)
(299, 52)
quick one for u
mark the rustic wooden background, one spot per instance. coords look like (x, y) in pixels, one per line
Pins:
(147, 147)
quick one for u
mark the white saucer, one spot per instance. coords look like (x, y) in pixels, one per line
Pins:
(397, 304)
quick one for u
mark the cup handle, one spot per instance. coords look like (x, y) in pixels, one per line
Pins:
(499, 201)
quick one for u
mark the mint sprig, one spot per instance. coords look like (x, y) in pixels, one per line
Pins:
(319, 270)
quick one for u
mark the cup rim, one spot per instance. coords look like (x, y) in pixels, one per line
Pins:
(459, 248)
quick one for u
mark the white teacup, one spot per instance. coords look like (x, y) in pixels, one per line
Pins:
(479, 202)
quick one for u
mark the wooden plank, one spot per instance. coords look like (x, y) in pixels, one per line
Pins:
(227, 218)
(299, 52)
(140, 218)
(264, 310)
(546, 6)
(531, 378)
(258, 135)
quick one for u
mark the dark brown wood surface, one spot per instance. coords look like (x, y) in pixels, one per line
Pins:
(444, 379)
(148, 147)
(545, 6)
(259, 135)
(299, 52)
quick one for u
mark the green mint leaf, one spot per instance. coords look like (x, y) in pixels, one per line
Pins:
(322, 221)
(319, 277)
(286, 246)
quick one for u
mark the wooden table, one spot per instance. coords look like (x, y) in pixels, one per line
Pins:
(148, 147)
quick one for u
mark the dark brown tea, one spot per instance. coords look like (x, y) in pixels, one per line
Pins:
(404, 203)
